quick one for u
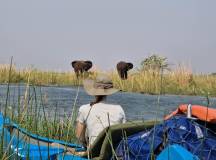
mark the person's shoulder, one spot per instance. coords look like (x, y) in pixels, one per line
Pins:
(116, 106)
(84, 107)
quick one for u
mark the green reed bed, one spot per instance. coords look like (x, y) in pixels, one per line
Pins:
(177, 81)
(37, 77)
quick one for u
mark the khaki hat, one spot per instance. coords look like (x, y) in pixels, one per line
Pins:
(102, 85)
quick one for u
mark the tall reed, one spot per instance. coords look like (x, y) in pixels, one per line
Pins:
(27, 113)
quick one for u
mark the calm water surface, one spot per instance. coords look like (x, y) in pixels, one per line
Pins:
(62, 99)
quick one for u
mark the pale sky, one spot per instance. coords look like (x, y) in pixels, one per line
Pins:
(49, 34)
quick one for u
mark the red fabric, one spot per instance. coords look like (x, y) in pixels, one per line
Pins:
(201, 112)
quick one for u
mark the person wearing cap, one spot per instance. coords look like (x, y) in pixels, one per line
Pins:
(94, 117)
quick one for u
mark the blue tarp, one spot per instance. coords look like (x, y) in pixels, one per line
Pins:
(194, 137)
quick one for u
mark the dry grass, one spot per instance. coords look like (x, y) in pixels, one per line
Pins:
(178, 81)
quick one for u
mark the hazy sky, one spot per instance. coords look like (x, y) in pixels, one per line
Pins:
(49, 34)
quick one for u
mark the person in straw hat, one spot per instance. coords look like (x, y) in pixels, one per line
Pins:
(94, 117)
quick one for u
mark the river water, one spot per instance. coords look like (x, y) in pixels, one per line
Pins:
(61, 100)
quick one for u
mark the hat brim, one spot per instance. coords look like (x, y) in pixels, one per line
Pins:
(91, 90)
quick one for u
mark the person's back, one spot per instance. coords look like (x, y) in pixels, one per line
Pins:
(94, 117)
(98, 117)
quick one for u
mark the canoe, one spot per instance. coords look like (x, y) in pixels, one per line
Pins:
(22, 144)
(201, 112)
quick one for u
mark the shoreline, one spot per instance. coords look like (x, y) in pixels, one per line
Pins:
(123, 91)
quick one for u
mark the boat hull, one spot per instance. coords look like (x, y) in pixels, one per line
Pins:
(20, 144)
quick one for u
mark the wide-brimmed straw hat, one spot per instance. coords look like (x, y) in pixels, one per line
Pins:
(102, 85)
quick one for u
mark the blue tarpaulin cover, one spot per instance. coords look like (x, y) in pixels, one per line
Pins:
(194, 137)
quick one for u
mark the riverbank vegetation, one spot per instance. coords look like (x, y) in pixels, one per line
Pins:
(179, 80)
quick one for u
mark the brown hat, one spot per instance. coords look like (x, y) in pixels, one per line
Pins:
(102, 85)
